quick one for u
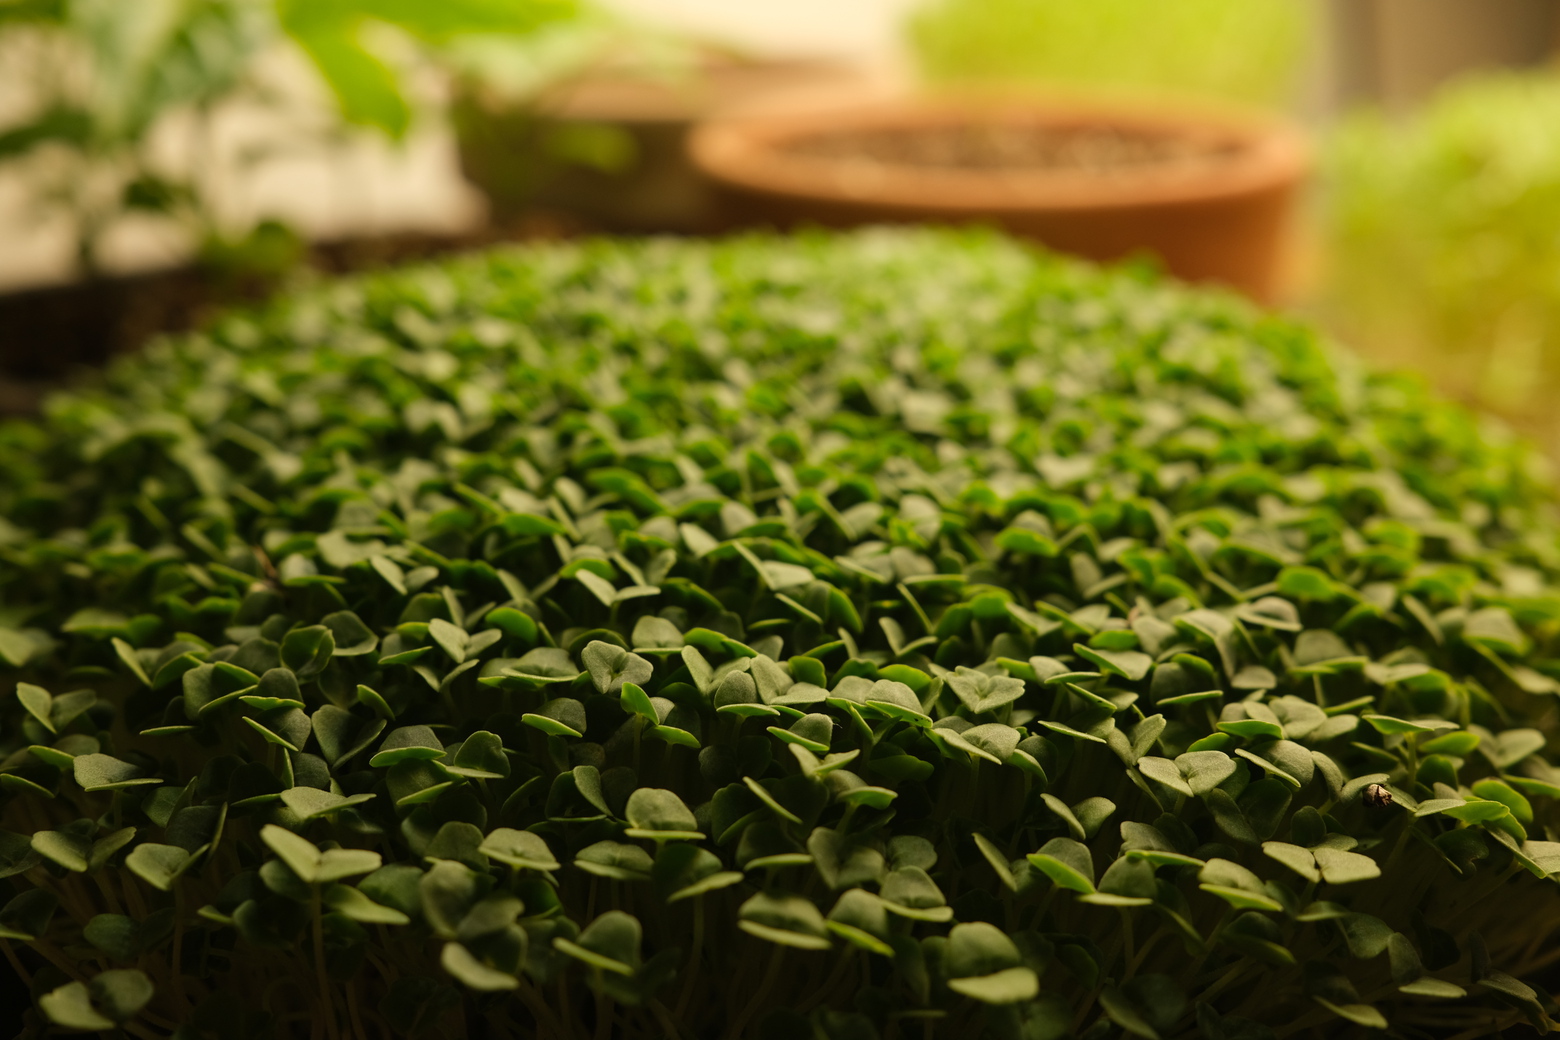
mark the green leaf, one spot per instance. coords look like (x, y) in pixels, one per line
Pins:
(1387, 724)
(611, 859)
(685, 871)
(310, 802)
(981, 692)
(1129, 881)
(1235, 885)
(16, 648)
(1359, 1014)
(1083, 819)
(999, 862)
(1306, 583)
(636, 702)
(408, 743)
(1067, 863)
(789, 920)
(464, 965)
(307, 650)
(27, 915)
(481, 756)
(376, 703)
(121, 993)
(1008, 986)
(449, 891)
(1498, 791)
(1252, 729)
(1298, 859)
(1205, 770)
(310, 864)
(1131, 665)
(515, 624)
(159, 865)
(95, 621)
(611, 666)
(656, 635)
(69, 850)
(1341, 868)
(352, 638)
(37, 702)
(560, 717)
(365, 88)
(70, 1007)
(1495, 628)
(126, 653)
(907, 890)
(348, 901)
(106, 773)
(660, 815)
(983, 963)
(1511, 746)
(114, 934)
(1167, 773)
(390, 571)
(1433, 987)
(341, 735)
(452, 639)
(860, 919)
(460, 841)
(1122, 1011)
(1365, 935)
(609, 943)
(1276, 613)
(522, 850)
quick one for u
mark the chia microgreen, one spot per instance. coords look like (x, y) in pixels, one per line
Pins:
(870, 632)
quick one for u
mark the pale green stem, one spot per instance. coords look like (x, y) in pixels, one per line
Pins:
(686, 995)
(326, 1011)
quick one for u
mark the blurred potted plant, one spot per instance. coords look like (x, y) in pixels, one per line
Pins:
(595, 127)
(104, 78)
(1103, 174)
(108, 82)
(1441, 249)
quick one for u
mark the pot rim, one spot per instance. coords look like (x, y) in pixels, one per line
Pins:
(634, 96)
(747, 152)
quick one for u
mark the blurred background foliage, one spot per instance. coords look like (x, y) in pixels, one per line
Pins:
(104, 75)
(1245, 51)
(1441, 234)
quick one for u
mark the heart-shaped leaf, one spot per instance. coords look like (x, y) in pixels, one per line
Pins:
(789, 920)
(611, 666)
(310, 864)
(660, 815)
(981, 692)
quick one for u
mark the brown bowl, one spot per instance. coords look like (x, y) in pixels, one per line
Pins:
(1210, 194)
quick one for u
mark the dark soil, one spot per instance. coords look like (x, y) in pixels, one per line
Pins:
(1095, 150)
(50, 334)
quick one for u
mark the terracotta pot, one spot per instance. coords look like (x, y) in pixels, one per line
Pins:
(1209, 194)
(538, 154)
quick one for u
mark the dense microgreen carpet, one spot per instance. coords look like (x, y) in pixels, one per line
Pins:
(893, 635)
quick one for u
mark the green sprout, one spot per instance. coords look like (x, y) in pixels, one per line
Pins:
(887, 635)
